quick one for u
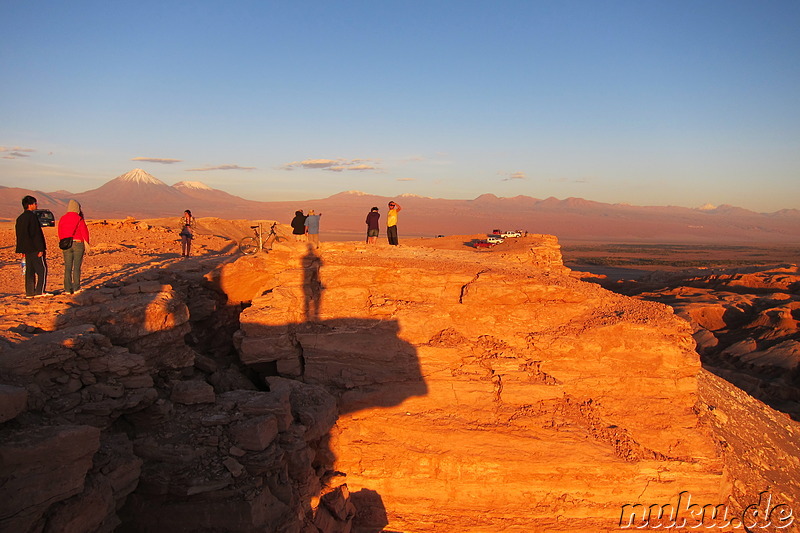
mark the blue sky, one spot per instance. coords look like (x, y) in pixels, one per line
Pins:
(642, 102)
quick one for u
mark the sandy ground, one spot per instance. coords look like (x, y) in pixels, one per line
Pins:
(120, 248)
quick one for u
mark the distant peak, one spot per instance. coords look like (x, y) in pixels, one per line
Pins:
(192, 185)
(137, 175)
(707, 207)
(410, 195)
(350, 194)
(487, 196)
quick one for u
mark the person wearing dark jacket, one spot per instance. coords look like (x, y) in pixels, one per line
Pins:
(31, 245)
(299, 225)
(72, 224)
(373, 225)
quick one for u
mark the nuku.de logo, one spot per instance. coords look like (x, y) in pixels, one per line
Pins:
(685, 514)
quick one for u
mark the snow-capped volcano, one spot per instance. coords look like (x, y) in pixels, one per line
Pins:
(196, 185)
(139, 176)
(139, 194)
(137, 188)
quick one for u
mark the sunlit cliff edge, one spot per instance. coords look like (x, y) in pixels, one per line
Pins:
(357, 388)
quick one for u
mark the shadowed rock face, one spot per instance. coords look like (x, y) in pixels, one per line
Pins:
(124, 410)
(761, 446)
(745, 322)
(354, 388)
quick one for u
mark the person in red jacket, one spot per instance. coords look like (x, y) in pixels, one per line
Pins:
(73, 225)
(31, 245)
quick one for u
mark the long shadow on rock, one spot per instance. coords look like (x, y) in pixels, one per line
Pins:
(357, 363)
(225, 454)
(360, 363)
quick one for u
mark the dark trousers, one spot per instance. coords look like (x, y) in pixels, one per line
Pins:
(35, 273)
(186, 245)
(391, 234)
(73, 259)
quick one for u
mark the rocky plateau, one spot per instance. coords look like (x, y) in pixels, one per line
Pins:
(354, 388)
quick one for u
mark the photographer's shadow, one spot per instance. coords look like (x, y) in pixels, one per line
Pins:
(312, 286)
(362, 362)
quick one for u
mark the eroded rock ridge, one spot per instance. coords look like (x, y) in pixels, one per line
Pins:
(352, 388)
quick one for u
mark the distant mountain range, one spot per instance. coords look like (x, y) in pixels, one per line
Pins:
(141, 195)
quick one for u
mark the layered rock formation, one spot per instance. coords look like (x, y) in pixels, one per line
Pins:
(358, 388)
(123, 412)
(485, 393)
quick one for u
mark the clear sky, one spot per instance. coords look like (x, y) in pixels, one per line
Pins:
(646, 102)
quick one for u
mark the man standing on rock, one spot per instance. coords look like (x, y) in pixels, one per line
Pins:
(391, 222)
(31, 244)
(312, 228)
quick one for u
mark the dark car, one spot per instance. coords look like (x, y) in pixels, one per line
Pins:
(46, 217)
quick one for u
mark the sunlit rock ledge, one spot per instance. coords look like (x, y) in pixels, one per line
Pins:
(355, 388)
(484, 392)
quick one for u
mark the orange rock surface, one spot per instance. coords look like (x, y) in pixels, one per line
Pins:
(425, 387)
(480, 392)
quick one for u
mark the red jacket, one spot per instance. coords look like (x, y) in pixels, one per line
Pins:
(73, 225)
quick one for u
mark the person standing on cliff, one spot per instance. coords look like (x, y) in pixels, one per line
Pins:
(312, 228)
(391, 223)
(299, 225)
(187, 233)
(72, 224)
(373, 225)
(32, 246)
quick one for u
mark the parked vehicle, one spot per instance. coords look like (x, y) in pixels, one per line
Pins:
(45, 217)
(508, 234)
(482, 244)
(494, 239)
